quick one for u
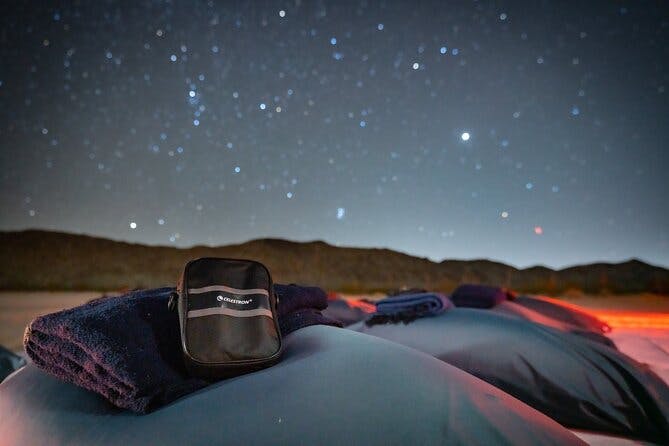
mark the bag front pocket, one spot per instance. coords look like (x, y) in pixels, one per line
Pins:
(225, 324)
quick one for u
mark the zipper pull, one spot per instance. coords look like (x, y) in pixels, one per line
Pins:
(172, 302)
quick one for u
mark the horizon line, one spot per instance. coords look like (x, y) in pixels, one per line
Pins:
(204, 245)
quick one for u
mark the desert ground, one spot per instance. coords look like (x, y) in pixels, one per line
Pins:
(18, 308)
(640, 322)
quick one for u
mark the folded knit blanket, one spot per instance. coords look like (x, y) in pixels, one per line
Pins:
(295, 297)
(128, 348)
(301, 306)
(479, 296)
(407, 307)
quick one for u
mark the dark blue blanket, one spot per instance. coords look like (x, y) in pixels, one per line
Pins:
(128, 349)
(430, 303)
(479, 296)
(300, 306)
(295, 297)
(406, 307)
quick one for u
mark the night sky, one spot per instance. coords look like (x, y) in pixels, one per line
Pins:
(525, 132)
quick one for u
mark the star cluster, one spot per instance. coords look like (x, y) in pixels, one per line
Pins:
(526, 132)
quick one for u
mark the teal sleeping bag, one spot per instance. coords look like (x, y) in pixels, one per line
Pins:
(333, 387)
(579, 383)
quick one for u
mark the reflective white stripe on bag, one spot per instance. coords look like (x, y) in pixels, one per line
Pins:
(227, 289)
(230, 312)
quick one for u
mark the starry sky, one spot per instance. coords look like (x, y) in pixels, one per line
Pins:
(525, 132)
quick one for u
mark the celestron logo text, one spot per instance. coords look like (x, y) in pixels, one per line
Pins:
(233, 301)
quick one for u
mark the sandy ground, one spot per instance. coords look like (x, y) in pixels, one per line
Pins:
(633, 302)
(640, 322)
(17, 309)
(633, 318)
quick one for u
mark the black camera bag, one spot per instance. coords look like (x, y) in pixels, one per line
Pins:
(227, 316)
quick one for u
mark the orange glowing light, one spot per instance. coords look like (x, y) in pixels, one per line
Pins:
(632, 319)
(538, 230)
(618, 318)
(364, 306)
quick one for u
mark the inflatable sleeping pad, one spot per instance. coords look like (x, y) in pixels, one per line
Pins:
(332, 387)
(564, 312)
(559, 320)
(579, 383)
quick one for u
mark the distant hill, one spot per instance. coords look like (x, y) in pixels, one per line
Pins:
(44, 260)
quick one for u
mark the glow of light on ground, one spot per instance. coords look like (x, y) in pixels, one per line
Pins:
(631, 319)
